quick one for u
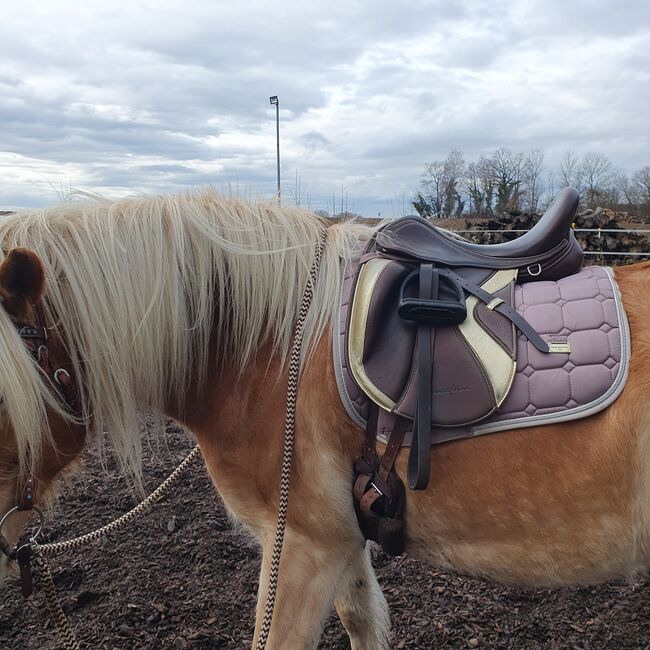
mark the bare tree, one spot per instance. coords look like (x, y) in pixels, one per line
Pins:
(479, 186)
(431, 194)
(551, 184)
(641, 184)
(570, 171)
(506, 170)
(597, 172)
(533, 167)
(439, 194)
(454, 170)
(625, 191)
(297, 191)
(474, 190)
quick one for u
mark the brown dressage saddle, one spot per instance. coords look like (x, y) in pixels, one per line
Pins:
(431, 338)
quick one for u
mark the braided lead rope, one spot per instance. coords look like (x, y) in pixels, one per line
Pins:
(289, 430)
(63, 627)
(120, 522)
(41, 551)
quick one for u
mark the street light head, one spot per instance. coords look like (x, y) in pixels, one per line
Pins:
(274, 100)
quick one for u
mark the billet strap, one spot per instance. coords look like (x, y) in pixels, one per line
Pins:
(503, 308)
(393, 447)
(365, 465)
(419, 462)
(373, 482)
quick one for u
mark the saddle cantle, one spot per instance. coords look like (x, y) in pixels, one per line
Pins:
(432, 337)
(548, 251)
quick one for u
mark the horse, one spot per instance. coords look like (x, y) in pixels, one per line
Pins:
(184, 306)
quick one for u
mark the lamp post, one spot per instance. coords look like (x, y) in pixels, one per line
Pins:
(276, 102)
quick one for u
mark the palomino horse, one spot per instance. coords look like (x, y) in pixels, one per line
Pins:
(184, 306)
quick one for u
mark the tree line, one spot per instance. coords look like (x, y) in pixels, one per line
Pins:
(512, 181)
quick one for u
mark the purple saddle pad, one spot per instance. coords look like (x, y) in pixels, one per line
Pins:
(583, 310)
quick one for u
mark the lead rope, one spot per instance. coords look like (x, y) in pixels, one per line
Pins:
(62, 624)
(120, 522)
(287, 454)
(42, 551)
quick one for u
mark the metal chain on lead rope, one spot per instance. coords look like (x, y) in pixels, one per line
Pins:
(289, 430)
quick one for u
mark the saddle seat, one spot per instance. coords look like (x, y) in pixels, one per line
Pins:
(432, 336)
(551, 238)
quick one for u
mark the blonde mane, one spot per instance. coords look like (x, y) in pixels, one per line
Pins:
(137, 287)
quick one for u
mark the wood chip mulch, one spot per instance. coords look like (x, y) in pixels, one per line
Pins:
(183, 577)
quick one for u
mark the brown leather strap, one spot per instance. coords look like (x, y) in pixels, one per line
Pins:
(26, 496)
(24, 557)
(361, 485)
(368, 488)
(368, 499)
(419, 462)
(379, 498)
(35, 338)
(503, 308)
(392, 448)
(67, 389)
(370, 440)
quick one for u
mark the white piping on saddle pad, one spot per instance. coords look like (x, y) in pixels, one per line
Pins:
(337, 345)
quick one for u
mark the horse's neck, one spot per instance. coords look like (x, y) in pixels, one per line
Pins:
(227, 393)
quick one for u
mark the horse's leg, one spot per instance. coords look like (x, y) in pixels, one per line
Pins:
(310, 578)
(240, 430)
(361, 605)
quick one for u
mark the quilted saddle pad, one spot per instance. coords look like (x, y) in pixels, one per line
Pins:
(583, 310)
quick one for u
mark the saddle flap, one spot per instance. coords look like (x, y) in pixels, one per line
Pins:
(473, 362)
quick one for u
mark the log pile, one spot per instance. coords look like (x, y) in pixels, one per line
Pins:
(589, 223)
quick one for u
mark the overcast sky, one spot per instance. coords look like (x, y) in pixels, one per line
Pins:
(157, 95)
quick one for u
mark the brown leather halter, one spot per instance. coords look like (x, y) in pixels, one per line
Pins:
(35, 338)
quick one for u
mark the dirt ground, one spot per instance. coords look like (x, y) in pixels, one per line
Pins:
(183, 577)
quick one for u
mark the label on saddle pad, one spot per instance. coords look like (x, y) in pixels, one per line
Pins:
(581, 313)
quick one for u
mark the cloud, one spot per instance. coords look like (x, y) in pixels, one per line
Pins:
(155, 96)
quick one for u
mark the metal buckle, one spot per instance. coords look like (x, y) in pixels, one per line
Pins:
(537, 272)
(62, 372)
(373, 485)
(4, 547)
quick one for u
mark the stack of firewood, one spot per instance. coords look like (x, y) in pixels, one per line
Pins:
(605, 242)
(593, 239)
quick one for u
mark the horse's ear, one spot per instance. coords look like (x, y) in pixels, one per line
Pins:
(22, 281)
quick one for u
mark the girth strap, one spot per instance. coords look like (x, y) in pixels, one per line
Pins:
(379, 499)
